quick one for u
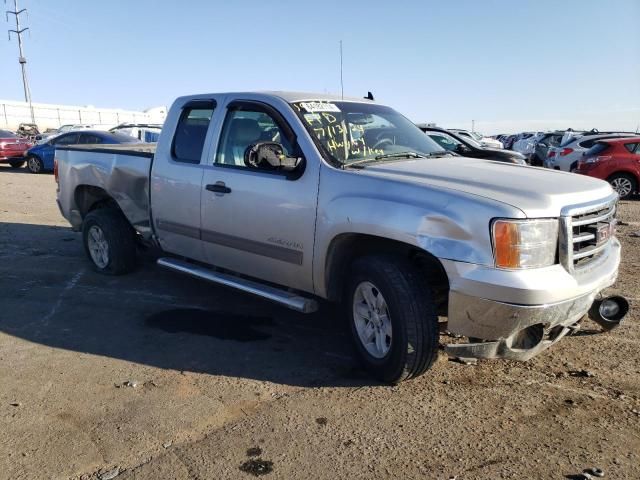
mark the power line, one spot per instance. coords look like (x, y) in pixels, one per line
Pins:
(21, 59)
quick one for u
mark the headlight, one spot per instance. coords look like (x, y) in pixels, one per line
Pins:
(524, 243)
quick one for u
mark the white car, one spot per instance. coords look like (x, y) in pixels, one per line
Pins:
(527, 144)
(565, 157)
(481, 139)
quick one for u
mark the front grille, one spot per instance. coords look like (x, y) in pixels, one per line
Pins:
(579, 242)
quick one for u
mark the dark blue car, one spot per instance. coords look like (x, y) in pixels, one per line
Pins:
(40, 157)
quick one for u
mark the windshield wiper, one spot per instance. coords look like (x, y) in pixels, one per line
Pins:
(441, 154)
(400, 155)
(385, 156)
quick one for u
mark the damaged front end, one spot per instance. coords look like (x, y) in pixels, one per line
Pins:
(520, 332)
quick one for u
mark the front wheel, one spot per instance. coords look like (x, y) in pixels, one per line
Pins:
(392, 318)
(623, 184)
(16, 163)
(109, 241)
(34, 164)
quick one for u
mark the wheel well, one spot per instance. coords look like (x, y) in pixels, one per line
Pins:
(88, 198)
(626, 174)
(348, 247)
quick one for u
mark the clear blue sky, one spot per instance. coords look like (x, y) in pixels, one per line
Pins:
(501, 62)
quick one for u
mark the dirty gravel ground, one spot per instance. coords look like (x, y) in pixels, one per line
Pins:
(247, 387)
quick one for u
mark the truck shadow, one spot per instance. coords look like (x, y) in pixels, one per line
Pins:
(158, 318)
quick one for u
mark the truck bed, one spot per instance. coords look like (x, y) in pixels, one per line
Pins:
(121, 171)
(134, 149)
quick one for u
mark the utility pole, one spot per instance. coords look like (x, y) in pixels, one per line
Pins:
(473, 125)
(341, 81)
(21, 59)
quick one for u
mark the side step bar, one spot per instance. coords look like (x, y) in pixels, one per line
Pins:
(283, 297)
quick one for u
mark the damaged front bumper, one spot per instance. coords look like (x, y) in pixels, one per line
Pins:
(522, 331)
(501, 313)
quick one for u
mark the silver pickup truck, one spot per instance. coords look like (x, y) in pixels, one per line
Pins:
(297, 197)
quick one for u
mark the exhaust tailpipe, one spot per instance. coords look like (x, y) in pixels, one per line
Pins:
(608, 312)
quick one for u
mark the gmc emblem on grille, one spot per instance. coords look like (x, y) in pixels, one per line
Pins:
(605, 232)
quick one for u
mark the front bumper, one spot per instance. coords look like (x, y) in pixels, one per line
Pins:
(498, 314)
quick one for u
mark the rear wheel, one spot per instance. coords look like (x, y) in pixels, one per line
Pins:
(34, 164)
(392, 318)
(624, 184)
(16, 163)
(109, 241)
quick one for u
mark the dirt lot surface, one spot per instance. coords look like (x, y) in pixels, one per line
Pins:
(158, 376)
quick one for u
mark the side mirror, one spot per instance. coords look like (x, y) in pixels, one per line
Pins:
(269, 156)
(461, 148)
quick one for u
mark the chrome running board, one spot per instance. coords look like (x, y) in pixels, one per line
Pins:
(283, 297)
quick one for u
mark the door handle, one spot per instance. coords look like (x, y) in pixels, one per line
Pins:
(219, 187)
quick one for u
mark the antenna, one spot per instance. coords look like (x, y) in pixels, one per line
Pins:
(341, 80)
(21, 59)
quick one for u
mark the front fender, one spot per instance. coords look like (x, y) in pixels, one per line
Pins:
(448, 224)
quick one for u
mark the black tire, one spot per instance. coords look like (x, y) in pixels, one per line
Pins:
(34, 164)
(623, 179)
(119, 237)
(16, 163)
(414, 322)
(536, 161)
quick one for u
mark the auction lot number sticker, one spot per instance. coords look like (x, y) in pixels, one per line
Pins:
(314, 107)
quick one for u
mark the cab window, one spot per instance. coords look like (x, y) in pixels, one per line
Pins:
(191, 131)
(244, 128)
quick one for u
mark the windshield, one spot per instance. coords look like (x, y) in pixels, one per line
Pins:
(355, 132)
(476, 136)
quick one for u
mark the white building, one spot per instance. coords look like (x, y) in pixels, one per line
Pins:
(13, 113)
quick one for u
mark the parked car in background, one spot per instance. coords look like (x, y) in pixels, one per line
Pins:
(40, 157)
(73, 126)
(468, 147)
(481, 139)
(616, 161)
(12, 148)
(541, 148)
(28, 131)
(145, 132)
(508, 141)
(526, 143)
(565, 157)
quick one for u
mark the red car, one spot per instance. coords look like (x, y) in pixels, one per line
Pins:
(12, 148)
(616, 160)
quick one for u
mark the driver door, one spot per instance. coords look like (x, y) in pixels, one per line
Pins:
(258, 221)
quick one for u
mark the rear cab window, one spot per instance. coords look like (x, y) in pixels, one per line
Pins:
(189, 138)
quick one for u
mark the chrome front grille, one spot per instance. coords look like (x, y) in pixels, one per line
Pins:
(586, 232)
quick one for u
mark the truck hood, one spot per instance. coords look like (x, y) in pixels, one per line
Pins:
(538, 192)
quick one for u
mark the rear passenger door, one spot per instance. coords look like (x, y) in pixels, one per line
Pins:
(176, 180)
